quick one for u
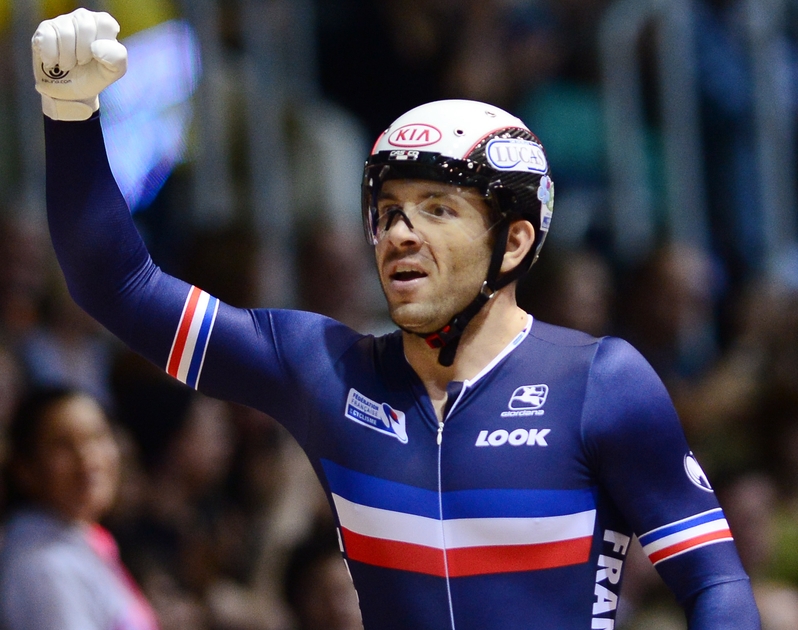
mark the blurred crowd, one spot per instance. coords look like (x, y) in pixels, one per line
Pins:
(217, 514)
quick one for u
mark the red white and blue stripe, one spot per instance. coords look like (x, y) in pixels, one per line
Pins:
(191, 338)
(686, 535)
(460, 533)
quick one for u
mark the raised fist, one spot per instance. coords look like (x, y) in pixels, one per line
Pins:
(75, 57)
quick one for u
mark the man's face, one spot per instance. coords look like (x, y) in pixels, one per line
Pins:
(431, 271)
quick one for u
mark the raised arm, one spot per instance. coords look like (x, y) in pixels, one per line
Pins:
(265, 359)
(106, 265)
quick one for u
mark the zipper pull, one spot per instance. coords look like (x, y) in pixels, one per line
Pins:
(439, 439)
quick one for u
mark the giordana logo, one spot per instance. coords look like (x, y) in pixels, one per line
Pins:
(695, 473)
(517, 437)
(378, 416)
(527, 400)
(415, 135)
(516, 154)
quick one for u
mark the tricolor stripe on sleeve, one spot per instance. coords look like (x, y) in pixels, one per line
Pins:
(191, 338)
(461, 533)
(682, 536)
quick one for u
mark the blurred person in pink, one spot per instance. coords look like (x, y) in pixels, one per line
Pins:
(59, 568)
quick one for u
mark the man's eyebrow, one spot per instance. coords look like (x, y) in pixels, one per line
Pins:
(382, 195)
(429, 194)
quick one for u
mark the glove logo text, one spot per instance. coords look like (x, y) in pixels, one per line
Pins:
(55, 73)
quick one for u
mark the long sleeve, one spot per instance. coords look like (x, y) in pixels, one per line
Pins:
(231, 353)
(645, 463)
(104, 260)
(723, 606)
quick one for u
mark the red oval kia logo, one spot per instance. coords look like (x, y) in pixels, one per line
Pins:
(415, 135)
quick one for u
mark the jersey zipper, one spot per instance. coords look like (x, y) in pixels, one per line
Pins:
(439, 441)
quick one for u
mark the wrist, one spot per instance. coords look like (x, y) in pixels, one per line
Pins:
(58, 109)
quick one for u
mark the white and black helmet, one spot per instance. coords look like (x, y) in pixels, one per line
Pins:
(470, 144)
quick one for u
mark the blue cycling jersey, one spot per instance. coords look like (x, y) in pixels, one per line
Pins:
(516, 511)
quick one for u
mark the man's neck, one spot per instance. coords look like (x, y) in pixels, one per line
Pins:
(494, 327)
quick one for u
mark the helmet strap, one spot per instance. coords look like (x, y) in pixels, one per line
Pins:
(448, 337)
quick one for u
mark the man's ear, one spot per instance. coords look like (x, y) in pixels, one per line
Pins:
(520, 239)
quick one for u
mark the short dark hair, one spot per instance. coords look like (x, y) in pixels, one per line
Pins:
(24, 428)
(27, 418)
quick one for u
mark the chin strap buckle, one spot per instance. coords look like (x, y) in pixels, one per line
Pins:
(455, 328)
(486, 292)
(439, 339)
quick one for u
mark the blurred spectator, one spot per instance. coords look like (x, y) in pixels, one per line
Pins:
(11, 389)
(59, 568)
(668, 312)
(55, 341)
(429, 49)
(407, 41)
(337, 279)
(68, 348)
(573, 288)
(273, 501)
(739, 411)
(24, 275)
(318, 587)
(12, 384)
(184, 444)
(726, 91)
(224, 494)
(750, 503)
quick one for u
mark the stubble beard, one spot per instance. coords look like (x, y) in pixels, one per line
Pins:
(429, 315)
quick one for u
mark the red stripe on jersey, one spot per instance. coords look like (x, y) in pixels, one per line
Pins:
(182, 332)
(464, 561)
(391, 554)
(689, 544)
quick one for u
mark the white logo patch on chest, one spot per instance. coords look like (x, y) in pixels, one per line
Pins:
(378, 416)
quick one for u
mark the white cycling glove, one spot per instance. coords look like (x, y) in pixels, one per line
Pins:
(75, 57)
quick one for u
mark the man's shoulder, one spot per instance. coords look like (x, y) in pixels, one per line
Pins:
(608, 355)
(560, 335)
(607, 345)
(320, 341)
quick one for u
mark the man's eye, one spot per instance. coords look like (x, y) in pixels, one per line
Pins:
(440, 212)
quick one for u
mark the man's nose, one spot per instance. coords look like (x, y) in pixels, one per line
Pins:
(400, 228)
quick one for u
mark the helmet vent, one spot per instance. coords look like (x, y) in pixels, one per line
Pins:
(459, 133)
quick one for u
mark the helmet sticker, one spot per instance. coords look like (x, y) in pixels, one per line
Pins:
(516, 154)
(403, 154)
(546, 197)
(415, 135)
(545, 190)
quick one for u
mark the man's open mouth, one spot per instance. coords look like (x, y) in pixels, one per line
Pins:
(404, 276)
